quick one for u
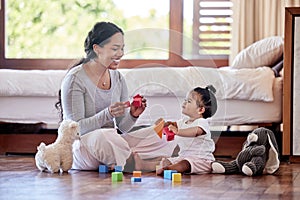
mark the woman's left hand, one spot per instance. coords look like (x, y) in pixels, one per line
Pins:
(137, 111)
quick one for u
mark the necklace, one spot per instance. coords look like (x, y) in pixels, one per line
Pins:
(104, 79)
(100, 79)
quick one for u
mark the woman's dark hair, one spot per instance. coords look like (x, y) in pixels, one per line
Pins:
(100, 35)
(209, 100)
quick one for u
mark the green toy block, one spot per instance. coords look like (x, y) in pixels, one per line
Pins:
(116, 176)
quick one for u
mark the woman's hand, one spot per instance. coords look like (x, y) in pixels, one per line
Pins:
(118, 109)
(136, 111)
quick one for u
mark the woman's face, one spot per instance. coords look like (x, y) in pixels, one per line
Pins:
(111, 53)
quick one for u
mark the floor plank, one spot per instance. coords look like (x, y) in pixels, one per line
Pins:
(20, 179)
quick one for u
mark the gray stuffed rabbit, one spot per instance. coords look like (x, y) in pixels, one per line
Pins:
(259, 155)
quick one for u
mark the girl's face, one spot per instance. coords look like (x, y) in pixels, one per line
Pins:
(190, 106)
(111, 53)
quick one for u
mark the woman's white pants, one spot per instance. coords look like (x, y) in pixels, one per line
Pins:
(106, 146)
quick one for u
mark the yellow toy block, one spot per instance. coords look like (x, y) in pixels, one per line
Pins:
(176, 177)
(137, 174)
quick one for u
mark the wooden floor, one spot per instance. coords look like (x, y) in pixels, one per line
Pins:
(20, 179)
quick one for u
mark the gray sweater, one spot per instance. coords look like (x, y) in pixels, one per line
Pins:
(84, 102)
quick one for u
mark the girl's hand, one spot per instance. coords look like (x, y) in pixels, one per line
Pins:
(173, 128)
(168, 123)
(137, 111)
(118, 109)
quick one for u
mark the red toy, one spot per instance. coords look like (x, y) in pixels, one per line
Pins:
(170, 134)
(137, 100)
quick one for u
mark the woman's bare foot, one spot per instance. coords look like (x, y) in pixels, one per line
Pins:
(144, 165)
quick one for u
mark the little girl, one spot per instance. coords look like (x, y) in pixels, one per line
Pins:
(192, 134)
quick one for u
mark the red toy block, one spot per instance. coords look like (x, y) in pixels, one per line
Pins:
(137, 100)
(170, 135)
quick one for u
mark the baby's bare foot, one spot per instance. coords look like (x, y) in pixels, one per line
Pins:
(163, 165)
(160, 171)
(164, 162)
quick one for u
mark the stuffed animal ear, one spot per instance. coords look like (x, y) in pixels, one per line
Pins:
(272, 140)
(73, 124)
(252, 137)
(41, 147)
(273, 161)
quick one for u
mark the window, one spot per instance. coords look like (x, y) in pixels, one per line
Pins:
(208, 24)
(50, 35)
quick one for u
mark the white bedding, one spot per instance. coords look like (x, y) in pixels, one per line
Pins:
(29, 96)
(244, 84)
(247, 84)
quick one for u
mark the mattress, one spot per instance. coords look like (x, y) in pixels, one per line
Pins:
(30, 109)
(240, 100)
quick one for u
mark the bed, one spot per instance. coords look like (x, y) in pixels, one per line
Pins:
(246, 96)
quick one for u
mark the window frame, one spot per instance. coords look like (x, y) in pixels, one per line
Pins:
(175, 49)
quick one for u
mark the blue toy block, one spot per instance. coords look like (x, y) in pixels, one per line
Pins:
(136, 179)
(118, 168)
(168, 174)
(103, 169)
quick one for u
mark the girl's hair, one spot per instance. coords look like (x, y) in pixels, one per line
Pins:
(100, 35)
(207, 100)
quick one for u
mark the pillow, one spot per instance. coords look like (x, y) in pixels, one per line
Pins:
(264, 52)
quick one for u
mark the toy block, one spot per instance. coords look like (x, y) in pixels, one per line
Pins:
(136, 179)
(168, 174)
(169, 134)
(137, 174)
(176, 177)
(159, 128)
(118, 168)
(116, 176)
(137, 100)
(103, 169)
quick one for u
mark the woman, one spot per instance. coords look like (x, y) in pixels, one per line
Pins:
(95, 94)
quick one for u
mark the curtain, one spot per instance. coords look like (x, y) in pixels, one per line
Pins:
(254, 20)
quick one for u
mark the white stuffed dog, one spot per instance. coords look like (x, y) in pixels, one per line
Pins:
(58, 155)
